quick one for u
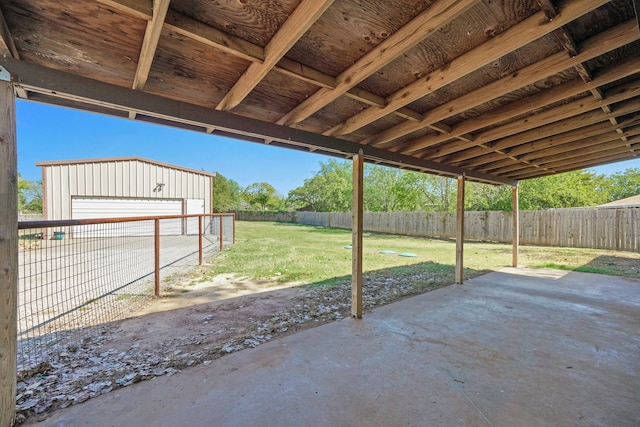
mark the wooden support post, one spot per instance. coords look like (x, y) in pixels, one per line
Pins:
(220, 233)
(516, 224)
(200, 239)
(356, 236)
(460, 232)
(9, 251)
(156, 247)
(233, 219)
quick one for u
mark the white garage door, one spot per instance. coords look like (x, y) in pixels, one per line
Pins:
(95, 207)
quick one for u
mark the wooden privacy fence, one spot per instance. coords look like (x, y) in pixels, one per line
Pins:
(617, 229)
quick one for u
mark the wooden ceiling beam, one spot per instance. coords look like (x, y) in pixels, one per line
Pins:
(426, 23)
(296, 25)
(522, 106)
(86, 93)
(572, 150)
(150, 43)
(589, 131)
(600, 44)
(531, 123)
(536, 173)
(493, 49)
(7, 46)
(236, 46)
(212, 37)
(141, 9)
(540, 132)
(511, 163)
(579, 162)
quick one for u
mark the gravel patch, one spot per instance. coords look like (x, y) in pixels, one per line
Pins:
(99, 364)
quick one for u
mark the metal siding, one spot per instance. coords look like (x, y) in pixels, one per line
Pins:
(124, 179)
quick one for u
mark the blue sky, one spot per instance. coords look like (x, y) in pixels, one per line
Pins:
(53, 133)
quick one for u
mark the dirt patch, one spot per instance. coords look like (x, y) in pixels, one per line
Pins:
(196, 323)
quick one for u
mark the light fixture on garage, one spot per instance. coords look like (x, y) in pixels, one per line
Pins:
(158, 188)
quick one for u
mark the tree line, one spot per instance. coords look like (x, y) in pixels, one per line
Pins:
(396, 190)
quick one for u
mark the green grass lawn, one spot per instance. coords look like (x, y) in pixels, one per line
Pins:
(282, 253)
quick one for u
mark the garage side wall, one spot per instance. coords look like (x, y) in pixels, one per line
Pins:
(126, 179)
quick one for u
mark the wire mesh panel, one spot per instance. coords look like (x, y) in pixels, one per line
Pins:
(77, 275)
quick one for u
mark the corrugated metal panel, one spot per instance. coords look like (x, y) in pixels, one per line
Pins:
(124, 178)
(86, 208)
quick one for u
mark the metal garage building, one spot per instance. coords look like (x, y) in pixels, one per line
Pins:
(122, 187)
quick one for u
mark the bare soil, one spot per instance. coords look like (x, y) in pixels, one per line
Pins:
(196, 323)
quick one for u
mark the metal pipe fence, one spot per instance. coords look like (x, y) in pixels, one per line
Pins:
(78, 275)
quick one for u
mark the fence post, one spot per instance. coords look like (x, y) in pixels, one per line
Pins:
(460, 232)
(9, 251)
(200, 239)
(156, 245)
(516, 225)
(356, 236)
(233, 218)
(220, 232)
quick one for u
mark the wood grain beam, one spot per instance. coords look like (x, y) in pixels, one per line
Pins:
(86, 94)
(357, 229)
(150, 42)
(212, 37)
(600, 44)
(603, 160)
(553, 149)
(302, 18)
(581, 133)
(7, 46)
(9, 250)
(579, 162)
(556, 128)
(568, 151)
(522, 106)
(493, 49)
(141, 9)
(460, 231)
(547, 117)
(426, 23)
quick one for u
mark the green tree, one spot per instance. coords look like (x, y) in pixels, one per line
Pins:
(329, 190)
(484, 197)
(623, 184)
(263, 196)
(226, 194)
(572, 189)
(29, 195)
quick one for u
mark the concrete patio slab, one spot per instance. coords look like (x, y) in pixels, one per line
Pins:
(516, 347)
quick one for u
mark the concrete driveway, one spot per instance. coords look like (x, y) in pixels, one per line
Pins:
(512, 348)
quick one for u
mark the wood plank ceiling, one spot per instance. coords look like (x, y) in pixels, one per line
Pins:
(500, 90)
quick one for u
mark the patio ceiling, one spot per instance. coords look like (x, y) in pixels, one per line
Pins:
(496, 90)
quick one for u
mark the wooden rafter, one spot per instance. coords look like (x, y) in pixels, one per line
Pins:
(578, 134)
(513, 163)
(84, 93)
(236, 46)
(557, 114)
(7, 46)
(142, 9)
(435, 17)
(569, 45)
(580, 161)
(150, 42)
(302, 18)
(540, 132)
(514, 109)
(602, 43)
(493, 49)
(569, 152)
